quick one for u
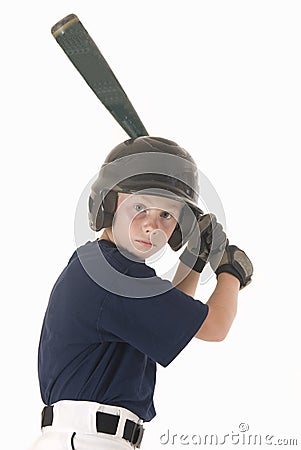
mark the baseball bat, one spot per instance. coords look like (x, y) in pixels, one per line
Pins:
(86, 57)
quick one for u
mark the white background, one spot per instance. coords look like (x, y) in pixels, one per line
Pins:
(222, 78)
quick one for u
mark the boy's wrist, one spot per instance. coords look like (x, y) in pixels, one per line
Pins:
(228, 278)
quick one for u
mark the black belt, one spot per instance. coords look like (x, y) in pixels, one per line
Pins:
(105, 423)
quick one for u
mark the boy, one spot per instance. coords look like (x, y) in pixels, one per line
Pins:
(110, 319)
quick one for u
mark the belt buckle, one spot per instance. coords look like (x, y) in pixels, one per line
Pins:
(139, 437)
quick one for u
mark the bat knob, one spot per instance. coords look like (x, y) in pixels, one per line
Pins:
(62, 25)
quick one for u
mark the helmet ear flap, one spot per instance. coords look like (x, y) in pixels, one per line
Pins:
(109, 207)
(175, 240)
(102, 216)
(183, 230)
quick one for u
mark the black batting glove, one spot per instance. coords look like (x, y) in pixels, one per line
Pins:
(236, 262)
(207, 241)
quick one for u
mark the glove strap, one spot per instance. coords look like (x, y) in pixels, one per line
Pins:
(190, 260)
(228, 268)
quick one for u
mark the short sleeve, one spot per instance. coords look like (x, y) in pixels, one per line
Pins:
(159, 326)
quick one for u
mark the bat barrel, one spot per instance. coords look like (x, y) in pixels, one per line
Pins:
(84, 54)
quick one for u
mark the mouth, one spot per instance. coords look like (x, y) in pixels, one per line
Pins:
(145, 243)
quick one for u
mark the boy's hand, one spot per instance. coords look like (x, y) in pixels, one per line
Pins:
(236, 262)
(208, 240)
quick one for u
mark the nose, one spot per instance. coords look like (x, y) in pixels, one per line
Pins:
(150, 222)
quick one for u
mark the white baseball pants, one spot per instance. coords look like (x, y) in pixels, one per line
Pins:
(74, 428)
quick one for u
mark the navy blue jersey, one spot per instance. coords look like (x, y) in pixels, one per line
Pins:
(99, 345)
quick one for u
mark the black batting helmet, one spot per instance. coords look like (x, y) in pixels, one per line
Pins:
(157, 165)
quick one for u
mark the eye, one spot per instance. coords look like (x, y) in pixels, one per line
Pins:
(168, 214)
(137, 206)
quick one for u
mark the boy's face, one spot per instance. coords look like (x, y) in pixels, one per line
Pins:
(143, 224)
